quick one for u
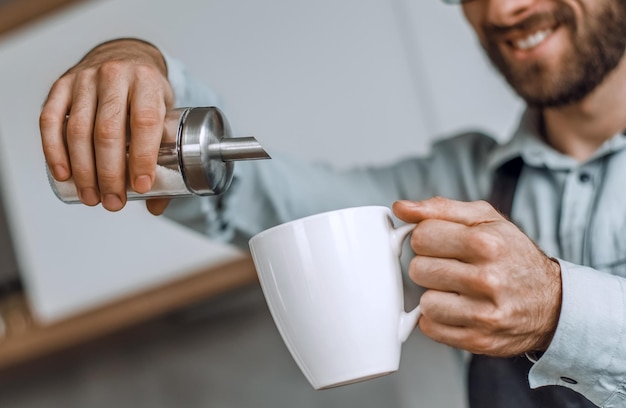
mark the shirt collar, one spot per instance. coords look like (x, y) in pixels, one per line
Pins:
(528, 144)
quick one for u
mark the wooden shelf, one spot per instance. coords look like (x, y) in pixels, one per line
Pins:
(23, 339)
(15, 13)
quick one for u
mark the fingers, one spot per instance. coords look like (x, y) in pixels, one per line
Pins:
(454, 309)
(52, 124)
(461, 337)
(442, 239)
(466, 231)
(78, 132)
(476, 244)
(147, 115)
(445, 275)
(475, 325)
(447, 318)
(109, 135)
(140, 96)
(157, 206)
(466, 213)
(117, 86)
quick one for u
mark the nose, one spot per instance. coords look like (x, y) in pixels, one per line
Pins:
(507, 12)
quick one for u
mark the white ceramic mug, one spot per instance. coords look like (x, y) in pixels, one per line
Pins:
(333, 285)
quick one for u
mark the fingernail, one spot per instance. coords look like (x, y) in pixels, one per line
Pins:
(60, 173)
(143, 184)
(407, 203)
(89, 196)
(112, 202)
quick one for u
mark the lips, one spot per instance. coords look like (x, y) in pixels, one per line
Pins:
(531, 40)
(529, 33)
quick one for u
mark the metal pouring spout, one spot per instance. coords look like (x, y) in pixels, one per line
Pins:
(241, 148)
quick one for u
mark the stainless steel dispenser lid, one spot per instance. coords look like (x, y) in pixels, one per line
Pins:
(207, 150)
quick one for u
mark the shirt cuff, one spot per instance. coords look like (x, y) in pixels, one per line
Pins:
(587, 353)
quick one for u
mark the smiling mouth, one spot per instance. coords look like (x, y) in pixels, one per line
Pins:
(532, 40)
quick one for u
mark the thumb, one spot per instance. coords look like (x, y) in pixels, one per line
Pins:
(409, 211)
(467, 213)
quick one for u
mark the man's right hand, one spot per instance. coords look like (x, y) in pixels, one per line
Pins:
(118, 81)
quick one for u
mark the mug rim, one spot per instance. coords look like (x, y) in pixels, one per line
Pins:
(286, 224)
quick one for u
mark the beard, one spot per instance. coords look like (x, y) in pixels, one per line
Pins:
(596, 50)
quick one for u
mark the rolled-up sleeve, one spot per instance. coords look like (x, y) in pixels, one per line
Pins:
(268, 192)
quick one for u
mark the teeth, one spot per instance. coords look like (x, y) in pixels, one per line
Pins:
(532, 40)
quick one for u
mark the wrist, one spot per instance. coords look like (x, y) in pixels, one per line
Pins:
(553, 306)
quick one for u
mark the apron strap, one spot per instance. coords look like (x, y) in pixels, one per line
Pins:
(496, 382)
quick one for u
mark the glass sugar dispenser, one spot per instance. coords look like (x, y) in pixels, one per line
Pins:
(196, 157)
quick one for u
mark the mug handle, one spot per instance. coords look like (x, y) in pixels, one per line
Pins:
(408, 320)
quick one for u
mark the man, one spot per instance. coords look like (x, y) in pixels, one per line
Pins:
(491, 289)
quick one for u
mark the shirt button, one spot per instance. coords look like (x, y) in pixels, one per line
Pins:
(584, 177)
(569, 380)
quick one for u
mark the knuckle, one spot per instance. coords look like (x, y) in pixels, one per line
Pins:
(415, 264)
(439, 199)
(147, 118)
(81, 93)
(65, 81)
(50, 148)
(486, 208)
(83, 176)
(415, 240)
(427, 303)
(54, 153)
(428, 330)
(147, 71)
(109, 181)
(492, 283)
(47, 118)
(84, 79)
(78, 128)
(414, 268)
(419, 238)
(486, 243)
(492, 320)
(142, 160)
(111, 69)
(484, 205)
(480, 344)
(107, 130)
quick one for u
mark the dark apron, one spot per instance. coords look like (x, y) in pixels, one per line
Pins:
(495, 382)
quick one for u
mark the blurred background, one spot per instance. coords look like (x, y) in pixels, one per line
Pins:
(130, 310)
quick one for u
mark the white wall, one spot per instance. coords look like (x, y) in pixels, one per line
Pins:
(460, 86)
(323, 80)
(348, 82)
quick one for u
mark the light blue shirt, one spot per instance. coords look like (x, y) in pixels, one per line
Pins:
(576, 212)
